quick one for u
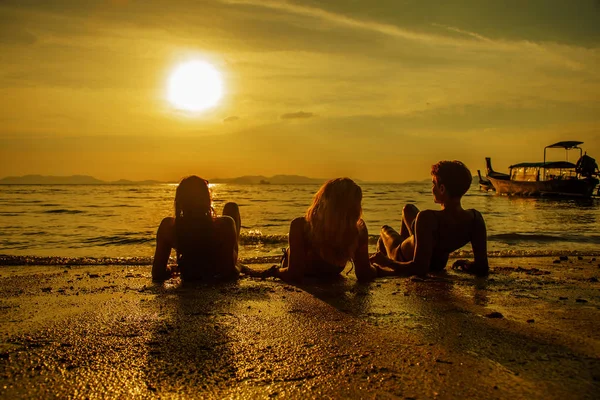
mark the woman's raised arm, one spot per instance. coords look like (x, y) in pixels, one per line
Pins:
(164, 244)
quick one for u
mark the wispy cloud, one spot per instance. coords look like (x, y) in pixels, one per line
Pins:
(339, 19)
(467, 40)
(233, 118)
(13, 34)
(464, 32)
(297, 115)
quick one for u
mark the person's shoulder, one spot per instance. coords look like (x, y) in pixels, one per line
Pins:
(224, 221)
(224, 227)
(166, 231)
(476, 214)
(427, 215)
(298, 222)
(298, 226)
(167, 223)
(427, 219)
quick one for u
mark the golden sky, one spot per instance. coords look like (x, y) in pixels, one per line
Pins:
(374, 90)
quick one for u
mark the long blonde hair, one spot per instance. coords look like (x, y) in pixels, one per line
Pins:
(333, 219)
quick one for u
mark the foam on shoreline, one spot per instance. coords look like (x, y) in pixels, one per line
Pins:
(11, 260)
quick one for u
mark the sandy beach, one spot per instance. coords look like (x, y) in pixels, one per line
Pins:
(529, 330)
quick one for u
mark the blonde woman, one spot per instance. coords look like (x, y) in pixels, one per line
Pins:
(330, 234)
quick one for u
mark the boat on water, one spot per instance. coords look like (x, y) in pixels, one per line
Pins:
(484, 184)
(548, 178)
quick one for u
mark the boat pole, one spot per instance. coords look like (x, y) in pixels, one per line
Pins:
(545, 148)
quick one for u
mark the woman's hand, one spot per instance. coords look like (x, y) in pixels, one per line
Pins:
(384, 271)
(469, 267)
(380, 259)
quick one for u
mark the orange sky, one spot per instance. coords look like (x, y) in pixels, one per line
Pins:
(375, 91)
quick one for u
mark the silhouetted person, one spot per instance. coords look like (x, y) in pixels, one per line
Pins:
(330, 234)
(206, 245)
(427, 237)
(587, 166)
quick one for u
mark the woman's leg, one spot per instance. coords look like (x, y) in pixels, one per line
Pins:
(390, 241)
(232, 210)
(233, 269)
(409, 215)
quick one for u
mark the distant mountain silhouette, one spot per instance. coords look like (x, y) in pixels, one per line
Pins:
(90, 180)
(128, 182)
(66, 180)
(474, 179)
(275, 180)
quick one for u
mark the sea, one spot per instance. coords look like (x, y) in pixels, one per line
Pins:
(117, 224)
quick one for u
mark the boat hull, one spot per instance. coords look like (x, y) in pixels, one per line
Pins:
(484, 184)
(563, 188)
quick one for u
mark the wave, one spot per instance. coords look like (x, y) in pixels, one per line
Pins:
(9, 260)
(509, 238)
(259, 238)
(149, 236)
(120, 240)
(513, 238)
(63, 211)
(20, 200)
(112, 206)
(37, 233)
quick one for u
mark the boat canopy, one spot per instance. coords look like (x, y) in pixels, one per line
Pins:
(565, 145)
(548, 165)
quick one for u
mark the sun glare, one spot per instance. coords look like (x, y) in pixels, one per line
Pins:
(194, 86)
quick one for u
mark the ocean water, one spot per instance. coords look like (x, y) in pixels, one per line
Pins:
(118, 223)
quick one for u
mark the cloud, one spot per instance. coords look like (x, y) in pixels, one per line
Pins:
(233, 118)
(297, 115)
(14, 35)
(332, 17)
(463, 32)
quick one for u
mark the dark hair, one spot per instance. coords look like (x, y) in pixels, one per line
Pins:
(193, 224)
(454, 175)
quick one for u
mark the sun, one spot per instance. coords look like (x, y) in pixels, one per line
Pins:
(195, 86)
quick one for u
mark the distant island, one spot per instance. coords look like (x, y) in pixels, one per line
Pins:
(90, 180)
(273, 180)
(243, 180)
(67, 180)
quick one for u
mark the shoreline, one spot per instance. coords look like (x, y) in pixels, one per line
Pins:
(529, 330)
(8, 260)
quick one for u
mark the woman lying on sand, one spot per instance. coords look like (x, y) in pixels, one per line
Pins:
(427, 237)
(206, 245)
(330, 234)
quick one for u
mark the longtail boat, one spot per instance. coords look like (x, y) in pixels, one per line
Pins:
(548, 178)
(484, 184)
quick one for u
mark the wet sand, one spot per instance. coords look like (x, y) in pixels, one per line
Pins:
(529, 330)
